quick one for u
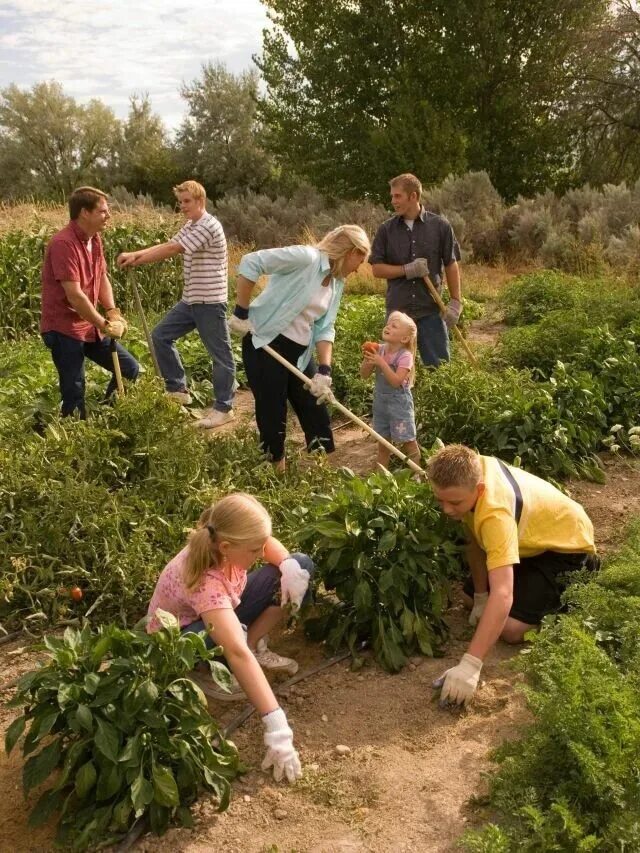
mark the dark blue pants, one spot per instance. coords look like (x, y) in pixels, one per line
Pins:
(262, 591)
(433, 340)
(68, 356)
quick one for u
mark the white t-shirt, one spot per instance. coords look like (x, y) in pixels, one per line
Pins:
(299, 330)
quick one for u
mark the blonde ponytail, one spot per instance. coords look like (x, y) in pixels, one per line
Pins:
(238, 518)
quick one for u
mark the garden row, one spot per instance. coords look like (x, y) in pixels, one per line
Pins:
(571, 783)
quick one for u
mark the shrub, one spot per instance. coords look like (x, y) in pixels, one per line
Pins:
(529, 298)
(385, 551)
(126, 732)
(551, 428)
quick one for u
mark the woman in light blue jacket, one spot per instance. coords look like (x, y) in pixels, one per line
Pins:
(294, 315)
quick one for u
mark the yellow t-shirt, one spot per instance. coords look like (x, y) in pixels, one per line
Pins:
(519, 515)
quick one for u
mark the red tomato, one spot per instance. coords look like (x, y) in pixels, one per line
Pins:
(370, 346)
(75, 593)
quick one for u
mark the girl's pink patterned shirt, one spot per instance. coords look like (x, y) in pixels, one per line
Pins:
(214, 592)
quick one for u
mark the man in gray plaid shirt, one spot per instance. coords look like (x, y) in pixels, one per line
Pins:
(412, 244)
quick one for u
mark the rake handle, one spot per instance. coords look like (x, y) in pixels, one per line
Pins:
(365, 426)
(438, 300)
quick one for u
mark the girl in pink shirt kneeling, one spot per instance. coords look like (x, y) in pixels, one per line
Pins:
(207, 587)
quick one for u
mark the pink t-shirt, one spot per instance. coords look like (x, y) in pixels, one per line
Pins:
(400, 358)
(214, 592)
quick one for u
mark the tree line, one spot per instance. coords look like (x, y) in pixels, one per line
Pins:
(540, 95)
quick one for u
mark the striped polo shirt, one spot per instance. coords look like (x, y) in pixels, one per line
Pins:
(205, 260)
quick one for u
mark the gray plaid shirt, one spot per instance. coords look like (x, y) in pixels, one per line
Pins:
(395, 243)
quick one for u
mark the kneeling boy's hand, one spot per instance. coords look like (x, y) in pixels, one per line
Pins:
(460, 682)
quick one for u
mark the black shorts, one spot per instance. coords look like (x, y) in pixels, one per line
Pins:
(538, 583)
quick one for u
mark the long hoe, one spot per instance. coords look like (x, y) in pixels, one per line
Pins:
(438, 300)
(356, 420)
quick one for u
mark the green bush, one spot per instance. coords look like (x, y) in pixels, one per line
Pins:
(529, 298)
(550, 428)
(384, 551)
(127, 734)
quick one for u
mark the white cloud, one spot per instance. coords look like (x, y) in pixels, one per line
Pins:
(115, 49)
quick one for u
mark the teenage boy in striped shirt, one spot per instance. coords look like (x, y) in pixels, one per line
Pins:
(525, 537)
(203, 305)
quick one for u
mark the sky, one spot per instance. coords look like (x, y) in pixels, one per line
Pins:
(111, 50)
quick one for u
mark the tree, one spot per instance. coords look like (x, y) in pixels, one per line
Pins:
(361, 88)
(218, 142)
(147, 160)
(58, 142)
(607, 99)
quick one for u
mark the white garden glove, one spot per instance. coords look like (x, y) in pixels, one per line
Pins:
(460, 682)
(417, 269)
(321, 388)
(479, 603)
(240, 327)
(452, 313)
(294, 582)
(281, 754)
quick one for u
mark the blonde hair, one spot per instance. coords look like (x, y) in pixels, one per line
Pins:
(338, 243)
(412, 346)
(196, 190)
(238, 518)
(408, 182)
(455, 465)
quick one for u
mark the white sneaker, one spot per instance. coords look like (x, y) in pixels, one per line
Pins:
(182, 397)
(273, 662)
(213, 691)
(215, 419)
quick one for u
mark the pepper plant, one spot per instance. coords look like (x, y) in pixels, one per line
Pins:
(384, 555)
(124, 731)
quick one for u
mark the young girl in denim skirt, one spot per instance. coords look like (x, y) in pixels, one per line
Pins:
(207, 587)
(394, 365)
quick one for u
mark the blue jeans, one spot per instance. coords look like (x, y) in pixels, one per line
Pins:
(211, 322)
(68, 356)
(433, 340)
(262, 591)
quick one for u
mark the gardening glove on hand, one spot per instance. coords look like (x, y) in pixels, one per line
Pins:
(114, 314)
(281, 754)
(321, 385)
(460, 682)
(115, 328)
(452, 313)
(239, 322)
(417, 269)
(294, 583)
(479, 603)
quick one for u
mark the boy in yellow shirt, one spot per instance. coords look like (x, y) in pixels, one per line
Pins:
(523, 536)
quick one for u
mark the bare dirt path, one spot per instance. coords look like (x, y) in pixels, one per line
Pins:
(411, 769)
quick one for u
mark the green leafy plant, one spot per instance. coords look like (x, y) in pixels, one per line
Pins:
(123, 731)
(571, 783)
(384, 553)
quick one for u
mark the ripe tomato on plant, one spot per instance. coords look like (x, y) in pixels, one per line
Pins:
(76, 593)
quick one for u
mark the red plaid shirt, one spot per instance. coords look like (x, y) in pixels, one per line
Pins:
(69, 259)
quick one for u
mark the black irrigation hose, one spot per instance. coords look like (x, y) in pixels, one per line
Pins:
(244, 715)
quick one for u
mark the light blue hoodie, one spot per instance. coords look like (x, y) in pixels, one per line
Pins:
(296, 273)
